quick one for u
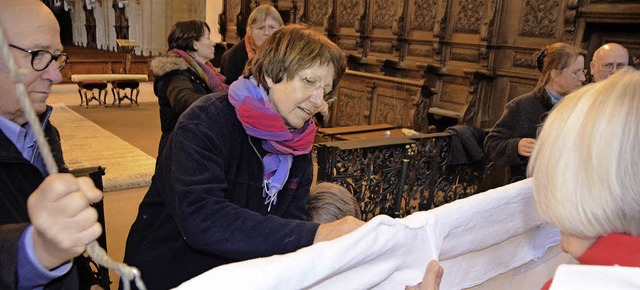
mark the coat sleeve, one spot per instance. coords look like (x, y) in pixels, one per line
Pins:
(206, 219)
(501, 143)
(9, 236)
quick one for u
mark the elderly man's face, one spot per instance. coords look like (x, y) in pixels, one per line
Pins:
(608, 61)
(33, 28)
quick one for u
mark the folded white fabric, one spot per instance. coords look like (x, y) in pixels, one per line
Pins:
(586, 277)
(475, 239)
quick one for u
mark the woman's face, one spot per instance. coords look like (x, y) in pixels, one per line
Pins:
(262, 29)
(296, 100)
(204, 47)
(568, 80)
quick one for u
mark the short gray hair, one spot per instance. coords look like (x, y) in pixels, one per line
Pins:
(330, 202)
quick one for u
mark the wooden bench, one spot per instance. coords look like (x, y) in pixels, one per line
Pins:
(118, 82)
(86, 87)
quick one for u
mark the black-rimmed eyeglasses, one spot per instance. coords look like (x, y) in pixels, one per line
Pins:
(41, 59)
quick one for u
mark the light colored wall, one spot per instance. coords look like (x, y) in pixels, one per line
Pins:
(214, 8)
(150, 21)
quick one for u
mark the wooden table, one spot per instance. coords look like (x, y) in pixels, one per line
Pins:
(373, 135)
(330, 134)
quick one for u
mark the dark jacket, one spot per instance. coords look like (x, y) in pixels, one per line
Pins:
(177, 86)
(18, 179)
(233, 62)
(522, 118)
(205, 206)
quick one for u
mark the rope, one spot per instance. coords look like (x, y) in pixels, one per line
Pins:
(93, 249)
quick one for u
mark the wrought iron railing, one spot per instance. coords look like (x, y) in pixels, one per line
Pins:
(397, 176)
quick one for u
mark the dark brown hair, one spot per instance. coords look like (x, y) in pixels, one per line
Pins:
(185, 33)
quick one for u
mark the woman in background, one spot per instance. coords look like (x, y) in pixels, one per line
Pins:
(185, 74)
(512, 139)
(262, 22)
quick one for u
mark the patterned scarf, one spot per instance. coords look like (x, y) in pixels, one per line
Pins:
(213, 79)
(250, 45)
(260, 120)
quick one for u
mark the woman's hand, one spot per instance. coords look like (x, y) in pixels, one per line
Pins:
(431, 279)
(525, 146)
(341, 227)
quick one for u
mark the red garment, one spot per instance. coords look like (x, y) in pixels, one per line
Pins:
(614, 249)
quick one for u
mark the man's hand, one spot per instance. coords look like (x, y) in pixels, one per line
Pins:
(341, 227)
(431, 279)
(63, 220)
(525, 146)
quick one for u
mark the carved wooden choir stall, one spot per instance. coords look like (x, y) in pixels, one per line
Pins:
(427, 65)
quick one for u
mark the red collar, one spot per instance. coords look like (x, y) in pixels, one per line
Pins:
(614, 249)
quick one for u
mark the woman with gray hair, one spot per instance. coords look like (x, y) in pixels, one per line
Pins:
(585, 172)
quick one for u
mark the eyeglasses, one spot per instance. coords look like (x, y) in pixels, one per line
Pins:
(311, 85)
(41, 59)
(577, 73)
(610, 65)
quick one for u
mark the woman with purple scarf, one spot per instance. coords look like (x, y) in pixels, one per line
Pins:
(235, 175)
(185, 74)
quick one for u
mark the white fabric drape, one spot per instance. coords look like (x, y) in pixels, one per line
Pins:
(475, 238)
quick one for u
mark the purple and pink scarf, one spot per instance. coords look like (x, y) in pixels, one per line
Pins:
(259, 120)
(213, 79)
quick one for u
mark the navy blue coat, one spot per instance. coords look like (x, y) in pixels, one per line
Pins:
(205, 207)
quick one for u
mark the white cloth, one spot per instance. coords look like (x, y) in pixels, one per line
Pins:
(587, 277)
(475, 239)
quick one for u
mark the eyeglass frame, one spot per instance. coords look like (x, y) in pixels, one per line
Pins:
(35, 53)
(583, 71)
(609, 66)
(327, 96)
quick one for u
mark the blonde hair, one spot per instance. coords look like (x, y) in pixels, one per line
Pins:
(260, 14)
(330, 202)
(555, 56)
(586, 162)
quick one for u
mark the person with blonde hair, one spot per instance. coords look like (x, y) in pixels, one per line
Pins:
(513, 138)
(330, 202)
(262, 22)
(585, 169)
(233, 181)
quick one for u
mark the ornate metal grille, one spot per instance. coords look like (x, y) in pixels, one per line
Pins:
(397, 176)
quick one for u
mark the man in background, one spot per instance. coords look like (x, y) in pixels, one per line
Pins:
(607, 60)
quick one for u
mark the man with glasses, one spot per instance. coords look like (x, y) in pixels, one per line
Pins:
(607, 60)
(45, 220)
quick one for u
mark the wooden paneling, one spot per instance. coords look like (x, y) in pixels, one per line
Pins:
(476, 55)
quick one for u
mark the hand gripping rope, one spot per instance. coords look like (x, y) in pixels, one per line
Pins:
(93, 249)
